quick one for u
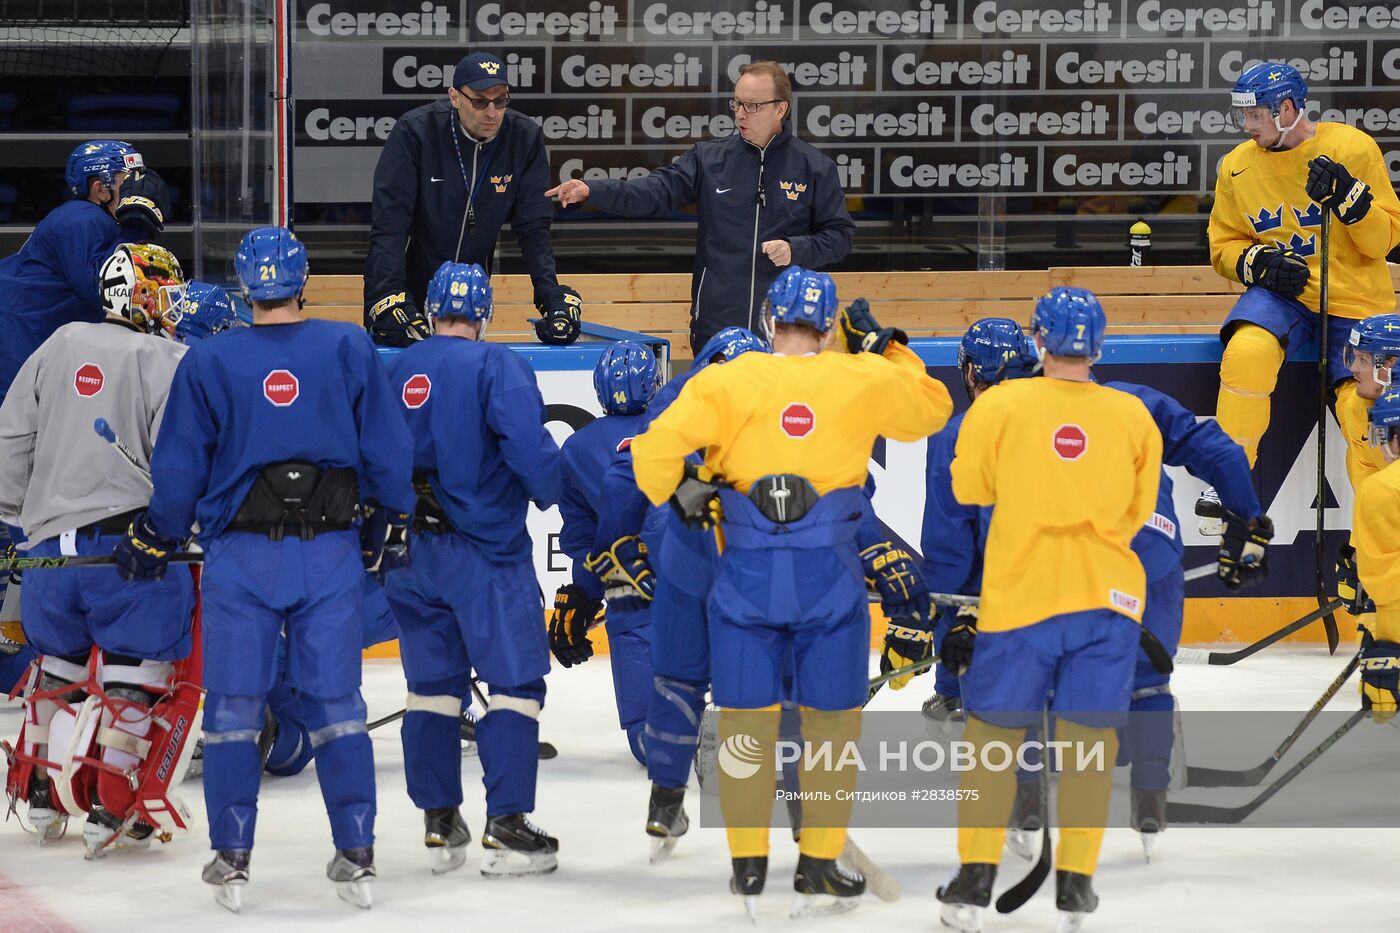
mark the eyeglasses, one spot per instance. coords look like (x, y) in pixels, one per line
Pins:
(481, 103)
(750, 106)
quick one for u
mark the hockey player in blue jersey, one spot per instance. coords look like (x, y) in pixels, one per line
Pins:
(206, 311)
(625, 378)
(471, 600)
(272, 436)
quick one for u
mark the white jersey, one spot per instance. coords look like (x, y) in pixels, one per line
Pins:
(56, 472)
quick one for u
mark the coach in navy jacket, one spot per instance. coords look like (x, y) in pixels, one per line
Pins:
(451, 175)
(765, 200)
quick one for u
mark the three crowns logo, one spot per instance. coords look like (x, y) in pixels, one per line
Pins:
(1266, 221)
(1312, 217)
(1299, 245)
(491, 67)
(500, 182)
(792, 189)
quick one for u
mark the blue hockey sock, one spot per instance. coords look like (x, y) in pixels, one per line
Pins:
(344, 766)
(673, 729)
(432, 742)
(1149, 737)
(507, 741)
(232, 768)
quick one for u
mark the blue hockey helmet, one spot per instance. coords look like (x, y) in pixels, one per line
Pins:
(1268, 84)
(460, 289)
(997, 349)
(729, 344)
(101, 158)
(271, 264)
(1385, 418)
(626, 378)
(1379, 336)
(1070, 322)
(207, 310)
(801, 296)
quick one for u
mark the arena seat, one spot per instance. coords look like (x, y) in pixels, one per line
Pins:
(1148, 299)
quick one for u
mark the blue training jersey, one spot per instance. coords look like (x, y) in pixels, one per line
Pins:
(478, 425)
(587, 454)
(248, 398)
(53, 280)
(954, 535)
(1209, 454)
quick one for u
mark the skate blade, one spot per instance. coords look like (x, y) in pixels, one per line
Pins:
(506, 863)
(1022, 842)
(965, 918)
(821, 905)
(1070, 921)
(48, 828)
(662, 846)
(443, 859)
(751, 907)
(1148, 841)
(356, 893)
(229, 896)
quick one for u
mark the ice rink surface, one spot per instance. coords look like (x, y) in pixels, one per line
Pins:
(593, 797)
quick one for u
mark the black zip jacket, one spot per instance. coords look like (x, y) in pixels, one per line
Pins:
(423, 216)
(745, 196)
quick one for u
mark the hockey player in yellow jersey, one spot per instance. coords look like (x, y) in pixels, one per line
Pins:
(790, 435)
(1071, 469)
(1265, 231)
(1375, 517)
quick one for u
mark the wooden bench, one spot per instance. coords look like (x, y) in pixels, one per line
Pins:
(1151, 299)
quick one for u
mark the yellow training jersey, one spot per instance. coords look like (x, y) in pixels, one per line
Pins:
(1261, 197)
(1374, 521)
(816, 416)
(1072, 470)
(1353, 416)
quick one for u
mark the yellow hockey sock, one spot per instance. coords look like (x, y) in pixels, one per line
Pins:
(1248, 374)
(989, 794)
(746, 777)
(828, 780)
(1085, 785)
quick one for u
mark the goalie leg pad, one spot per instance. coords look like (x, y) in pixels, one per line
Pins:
(431, 734)
(232, 767)
(344, 766)
(507, 740)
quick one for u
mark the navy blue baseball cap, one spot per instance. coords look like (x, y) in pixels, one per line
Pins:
(479, 71)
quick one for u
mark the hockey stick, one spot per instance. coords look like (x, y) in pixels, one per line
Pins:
(1212, 777)
(1221, 658)
(104, 431)
(1323, 373)
(1200, 813)
(54, 563)
(1015, 896)
(1201, 572)
(546, 750)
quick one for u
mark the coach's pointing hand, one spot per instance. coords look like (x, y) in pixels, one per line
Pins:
(572, 191)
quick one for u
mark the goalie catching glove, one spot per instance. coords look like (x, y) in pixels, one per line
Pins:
(1242, 558)
(864, 334)
(625, 568)
(393, 321)
(562, 310)
(574, 614)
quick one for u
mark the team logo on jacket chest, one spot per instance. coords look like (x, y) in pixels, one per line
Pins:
(1070, 442)
(797, 420)
(88, 380)
(416, 390)
(793, 189)
(501, 182)
(281, 388)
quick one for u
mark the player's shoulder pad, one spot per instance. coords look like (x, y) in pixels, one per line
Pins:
(1344, 141)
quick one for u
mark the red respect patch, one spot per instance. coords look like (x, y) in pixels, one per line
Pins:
(281, 388)
(1070, 442)
(416, 390)
(797, 420)
(89, 380)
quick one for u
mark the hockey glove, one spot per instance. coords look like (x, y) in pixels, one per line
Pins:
(890, 571)
(625, 568)
(864, 334)
(907, 641)
(1380, 677)
(144, 554)
(393, 321)
(384, 539)
(563, 316)
(1331, 185)
(574, 613)
(1242, 558)
(143, 205)
(696, 500)
(1281, 271)
(956, 651)
(1349, 585)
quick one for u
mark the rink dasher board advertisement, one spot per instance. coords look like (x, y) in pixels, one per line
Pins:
(1185, 367)
(1069, 98)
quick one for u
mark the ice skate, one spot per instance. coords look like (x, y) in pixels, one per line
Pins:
(824, 886)
(966, 895)
(940, 708)
(468, 733)
(352, 870)
(1210, 514)
(49, 824)
(228, 873)
(446, 835)
(1026, 820)
(515, 846)
(196, 766)
(104, 834)
(749, 875)
(1074, 897)
(1149, 816)
(666, 820)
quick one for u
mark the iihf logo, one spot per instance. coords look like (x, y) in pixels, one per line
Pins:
(1266, 221)
(1312, 217)
(500, 182)
(1299, 245)
(792, 189)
